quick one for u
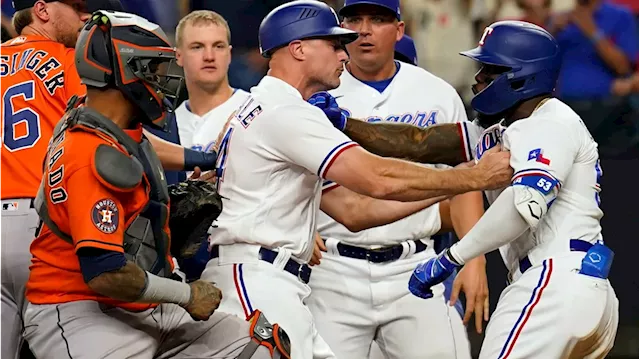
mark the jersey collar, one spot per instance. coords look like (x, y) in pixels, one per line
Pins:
(275, 83)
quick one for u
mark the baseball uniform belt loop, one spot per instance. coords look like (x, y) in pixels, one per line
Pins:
(380, 255)
(576, 245)
(301, 271)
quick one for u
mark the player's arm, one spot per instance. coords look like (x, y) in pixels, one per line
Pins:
(303, 136)
(393, 179)
(177, 158)
(98, 235)
(443, 143)
(542, 160)
(358, 212)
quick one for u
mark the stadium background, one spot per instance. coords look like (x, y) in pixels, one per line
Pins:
(442, 28)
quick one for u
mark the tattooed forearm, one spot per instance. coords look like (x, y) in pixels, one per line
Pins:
(434, 144)
(124, 284)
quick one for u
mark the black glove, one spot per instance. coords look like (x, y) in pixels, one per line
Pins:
(194, 207)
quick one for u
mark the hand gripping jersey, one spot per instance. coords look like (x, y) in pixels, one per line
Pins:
(103, 188)
(38, 78)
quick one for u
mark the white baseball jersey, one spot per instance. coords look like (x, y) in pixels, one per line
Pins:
(200, 132)
(414, 97)
(552, 150)
(272, 159)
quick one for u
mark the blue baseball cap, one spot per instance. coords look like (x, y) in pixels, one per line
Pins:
(392, 5)
(406, 50)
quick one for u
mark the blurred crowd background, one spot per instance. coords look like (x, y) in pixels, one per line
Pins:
(599, 80)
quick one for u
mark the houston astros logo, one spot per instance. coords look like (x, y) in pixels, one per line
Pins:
(105, 215)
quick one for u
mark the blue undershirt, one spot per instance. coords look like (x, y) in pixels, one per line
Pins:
(380, 86)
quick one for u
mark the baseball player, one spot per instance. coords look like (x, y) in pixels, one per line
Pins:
(38, 79)
(369, 269)
(99, 285)
(203, 50)
(559, 303)
(272, 160)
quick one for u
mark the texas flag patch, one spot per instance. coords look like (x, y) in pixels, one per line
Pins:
(537, 155)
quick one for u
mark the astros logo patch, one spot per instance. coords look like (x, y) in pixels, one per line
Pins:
(105, 215)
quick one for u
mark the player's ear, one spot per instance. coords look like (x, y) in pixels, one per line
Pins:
(296, 50)
(42, 11)
(178, 56)
(400, 32)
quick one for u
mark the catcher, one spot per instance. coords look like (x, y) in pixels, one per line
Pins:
(99, 282)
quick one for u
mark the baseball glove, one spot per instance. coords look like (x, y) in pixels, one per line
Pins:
(194, 207)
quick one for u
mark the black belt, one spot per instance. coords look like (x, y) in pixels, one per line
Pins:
(576, 245)
(381, 255)
(302, 271)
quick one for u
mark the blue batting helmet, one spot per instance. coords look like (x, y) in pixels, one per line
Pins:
(406, 50)
(391, 5)
(299, 20)
(532, 57)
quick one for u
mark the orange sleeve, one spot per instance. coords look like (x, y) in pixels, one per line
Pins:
(96, 216)
(72, 84)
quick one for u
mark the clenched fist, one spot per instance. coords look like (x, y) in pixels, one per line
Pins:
(494, 170)
(205, 299)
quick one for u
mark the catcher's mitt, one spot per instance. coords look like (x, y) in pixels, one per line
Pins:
(194, 207)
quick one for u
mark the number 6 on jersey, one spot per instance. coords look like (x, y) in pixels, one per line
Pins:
(11, 119)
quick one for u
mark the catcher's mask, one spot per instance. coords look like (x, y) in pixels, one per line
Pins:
(127, 52)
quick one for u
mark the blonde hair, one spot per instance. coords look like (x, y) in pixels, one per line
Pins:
(21, 19)
(201, 17)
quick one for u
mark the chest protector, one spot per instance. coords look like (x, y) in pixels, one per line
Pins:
(145, 241)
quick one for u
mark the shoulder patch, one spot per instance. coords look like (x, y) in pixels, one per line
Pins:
(116, 170)
(104, 215)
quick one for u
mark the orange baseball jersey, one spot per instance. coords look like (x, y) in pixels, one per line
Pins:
(38, 78)
(93, 212)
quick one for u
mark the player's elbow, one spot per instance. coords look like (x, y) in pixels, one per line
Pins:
(100, 284)
(382, 184)
(354, 224)
(109, 274)
(346, 207)
(362, 172)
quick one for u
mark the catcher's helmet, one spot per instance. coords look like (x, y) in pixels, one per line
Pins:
(391, 5)
(532, 57)
(299, 20)
(405, 50)
(127, 52)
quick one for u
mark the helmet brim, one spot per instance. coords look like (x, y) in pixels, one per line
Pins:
(345, 35)
(480, 55)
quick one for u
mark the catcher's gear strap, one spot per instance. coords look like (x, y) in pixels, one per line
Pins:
(271, 336)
